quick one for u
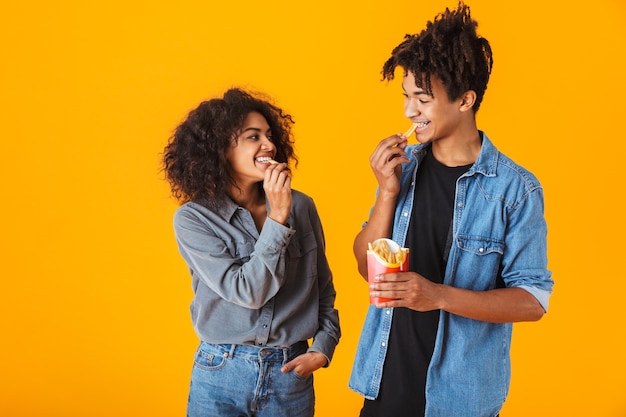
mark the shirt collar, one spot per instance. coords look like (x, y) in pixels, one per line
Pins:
(487, 160)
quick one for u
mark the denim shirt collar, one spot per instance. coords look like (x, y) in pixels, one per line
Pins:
(485, 164)
(226, 208)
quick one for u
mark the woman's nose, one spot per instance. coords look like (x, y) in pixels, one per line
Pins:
(267, 143)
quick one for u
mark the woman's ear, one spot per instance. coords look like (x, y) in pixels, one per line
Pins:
(467, 100)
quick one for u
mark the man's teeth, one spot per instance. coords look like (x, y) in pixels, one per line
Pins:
(422, 124)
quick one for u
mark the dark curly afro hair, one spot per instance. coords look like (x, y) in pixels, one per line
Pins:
(449, 49)
(194, 160)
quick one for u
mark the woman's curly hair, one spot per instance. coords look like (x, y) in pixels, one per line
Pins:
(194, 159)
(450, 49)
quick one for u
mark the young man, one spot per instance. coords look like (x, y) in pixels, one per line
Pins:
(473, 220)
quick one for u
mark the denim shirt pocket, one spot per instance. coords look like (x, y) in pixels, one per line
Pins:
(480, 245)
(301, 255)
(478, 260)
(300, 245)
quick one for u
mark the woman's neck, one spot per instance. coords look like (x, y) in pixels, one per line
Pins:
(249, 197)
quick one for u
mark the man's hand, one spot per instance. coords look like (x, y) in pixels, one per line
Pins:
(386, 162)
(408, 289)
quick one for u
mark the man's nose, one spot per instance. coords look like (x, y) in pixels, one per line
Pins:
(411, 108)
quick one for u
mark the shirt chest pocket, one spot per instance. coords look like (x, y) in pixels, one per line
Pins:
(302, 255)
(478, 258)
(479, 245)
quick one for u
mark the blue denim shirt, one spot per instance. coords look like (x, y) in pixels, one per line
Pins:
(273, 288)
(498, 230)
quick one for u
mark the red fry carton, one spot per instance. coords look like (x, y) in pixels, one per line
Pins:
(385, 256)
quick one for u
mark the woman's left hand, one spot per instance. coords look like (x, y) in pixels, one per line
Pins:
(305, 364)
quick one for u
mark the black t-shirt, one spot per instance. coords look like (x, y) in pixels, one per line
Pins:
(412, 336)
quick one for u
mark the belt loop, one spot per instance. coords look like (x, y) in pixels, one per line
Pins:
(285, 355)
(231, 353)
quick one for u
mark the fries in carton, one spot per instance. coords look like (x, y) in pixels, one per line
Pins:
(385, 256)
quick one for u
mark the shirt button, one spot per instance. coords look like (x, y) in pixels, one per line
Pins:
(459, 204)
(387, 311)
(481, 250)
(405, 214)
(383, 344)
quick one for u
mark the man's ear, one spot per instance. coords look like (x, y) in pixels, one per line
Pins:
(467, 100)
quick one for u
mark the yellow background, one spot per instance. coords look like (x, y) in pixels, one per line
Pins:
(94, 296)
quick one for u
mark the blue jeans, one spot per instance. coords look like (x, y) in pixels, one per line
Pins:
(246, 381)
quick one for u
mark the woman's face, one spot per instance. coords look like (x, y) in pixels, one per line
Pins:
(254, 142)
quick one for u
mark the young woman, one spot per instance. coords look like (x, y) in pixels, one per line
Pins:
(256, 254)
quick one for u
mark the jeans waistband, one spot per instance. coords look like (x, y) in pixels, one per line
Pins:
(276, 354)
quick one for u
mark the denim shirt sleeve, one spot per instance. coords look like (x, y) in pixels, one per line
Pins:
(244, 275)
(327, 336)
(499, 228)
(524, 263)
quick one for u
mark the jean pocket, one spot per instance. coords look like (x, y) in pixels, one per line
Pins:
(302, 378)
(210, 359)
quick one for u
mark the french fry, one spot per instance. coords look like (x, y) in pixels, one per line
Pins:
(410, 131)
(382, 249)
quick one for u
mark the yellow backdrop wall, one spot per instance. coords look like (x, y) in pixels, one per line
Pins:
(94, 300)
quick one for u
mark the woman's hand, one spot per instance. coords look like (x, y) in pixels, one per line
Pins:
(277, 187)
(305, 364)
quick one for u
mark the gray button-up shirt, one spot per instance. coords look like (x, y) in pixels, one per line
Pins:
(272, 288)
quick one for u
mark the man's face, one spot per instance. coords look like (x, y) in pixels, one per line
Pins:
(437, 117)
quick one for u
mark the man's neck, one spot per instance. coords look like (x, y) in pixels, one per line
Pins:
(461, 149)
